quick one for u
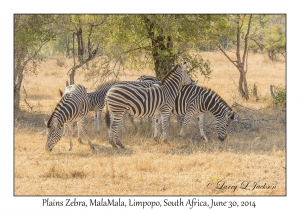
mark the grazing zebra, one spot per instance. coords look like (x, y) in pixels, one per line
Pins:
(144, 102)
(97, 99)
(73, 106)
(194, 99)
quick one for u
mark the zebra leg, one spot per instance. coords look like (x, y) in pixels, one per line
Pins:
(65, 129)
(157, 121)
(165, 120)
(114, 126)
(68, 130)
(132, 122)
(200, 123)
(81, 126)
(122, 123)
(180, 119)
(111, 138)
(97, 118)
(79, 134)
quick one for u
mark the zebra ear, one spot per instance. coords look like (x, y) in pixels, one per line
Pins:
(45, 121)
(60, 92)
(184, 65)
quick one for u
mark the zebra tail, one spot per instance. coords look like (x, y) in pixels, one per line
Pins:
(107, 117)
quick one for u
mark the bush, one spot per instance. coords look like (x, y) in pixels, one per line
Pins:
(279, 96)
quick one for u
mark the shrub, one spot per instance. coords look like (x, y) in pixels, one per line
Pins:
(279, 96)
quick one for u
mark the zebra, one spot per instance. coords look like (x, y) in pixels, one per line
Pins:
(151, 78)
(97, 99)
(144, 102)
(194, 99)
(73, 106)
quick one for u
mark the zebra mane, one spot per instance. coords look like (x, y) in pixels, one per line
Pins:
(60, 92)
(213, 92)
(48, 123)
(106, 83)
(50, 118)
(170, 72)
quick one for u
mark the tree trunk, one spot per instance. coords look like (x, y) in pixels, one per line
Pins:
(243, 86)
(72, 76)
(18, 76)
(17, 92)
(162, 49)
(68, 47)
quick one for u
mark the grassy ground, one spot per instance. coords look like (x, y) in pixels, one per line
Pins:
(252, 161)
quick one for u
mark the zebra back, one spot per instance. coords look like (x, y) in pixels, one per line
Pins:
(97, 98)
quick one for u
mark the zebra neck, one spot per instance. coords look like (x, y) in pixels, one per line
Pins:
(61, 116)
(172, 86)
(213, 103)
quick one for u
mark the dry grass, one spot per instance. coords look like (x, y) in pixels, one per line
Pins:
(187, 167)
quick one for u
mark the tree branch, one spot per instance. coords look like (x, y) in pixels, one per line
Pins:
(238, 34)
(234, 62)
(246, 39)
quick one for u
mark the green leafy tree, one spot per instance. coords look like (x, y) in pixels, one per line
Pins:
(31, 33)
(269, 35)
(154, 41)
(241, 27)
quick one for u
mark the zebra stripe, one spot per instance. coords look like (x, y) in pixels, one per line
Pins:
(97, 99)
(144, 102)
(194, 99)
(73, 107)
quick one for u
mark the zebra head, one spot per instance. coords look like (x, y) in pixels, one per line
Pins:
(222, 124)
(54, 133)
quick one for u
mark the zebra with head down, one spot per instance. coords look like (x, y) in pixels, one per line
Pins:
(72, 107)
(196, 100)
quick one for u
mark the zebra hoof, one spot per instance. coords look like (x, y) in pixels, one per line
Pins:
(92, 148)
(80, 141)
(121, 146)
(166, 142)
(113, 144)
(204, 138)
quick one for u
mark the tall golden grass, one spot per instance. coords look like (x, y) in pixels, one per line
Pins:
(188, 166)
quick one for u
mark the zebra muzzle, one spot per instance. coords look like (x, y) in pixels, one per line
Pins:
(222, 138)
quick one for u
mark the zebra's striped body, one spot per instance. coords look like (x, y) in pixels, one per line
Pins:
(97, 98)
(194, 99)
(144, 102)
(73, 107)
